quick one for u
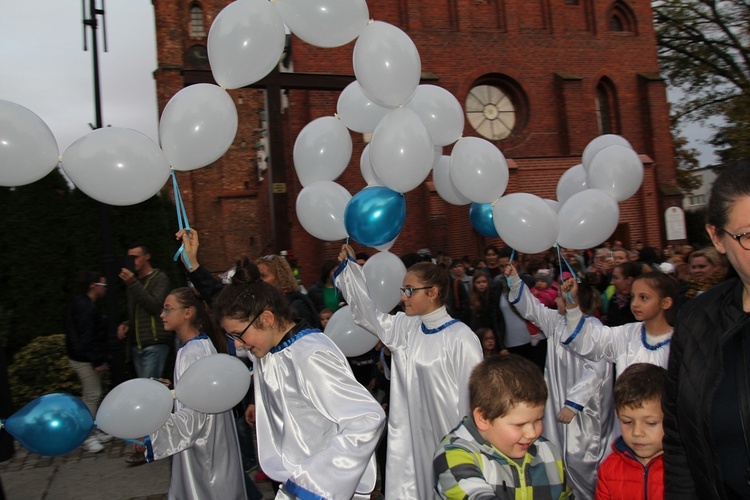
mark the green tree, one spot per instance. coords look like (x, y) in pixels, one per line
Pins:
(687, 159)
(704, 50)
(48, 234)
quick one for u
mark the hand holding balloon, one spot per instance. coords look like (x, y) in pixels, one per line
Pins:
(510, 271)
(346, 252)
(570, 289)
(189, 238)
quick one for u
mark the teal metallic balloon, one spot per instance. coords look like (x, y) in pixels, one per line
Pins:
(375, 216)
(51, 425)
(481, 219)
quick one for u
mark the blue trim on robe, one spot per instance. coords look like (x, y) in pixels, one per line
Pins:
(202, 336)
(294, 339)
(649, 346)
(301, 492)
(430, 331)
(576, 331)
(341, 267)
(573, 405)
(149, 449)
(520, 294)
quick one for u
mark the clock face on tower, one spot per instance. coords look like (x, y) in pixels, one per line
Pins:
(491, 112)
(197, 57)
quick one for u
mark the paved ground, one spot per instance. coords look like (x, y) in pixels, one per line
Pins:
(88, 476)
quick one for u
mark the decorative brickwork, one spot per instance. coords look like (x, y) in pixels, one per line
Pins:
(556, 51)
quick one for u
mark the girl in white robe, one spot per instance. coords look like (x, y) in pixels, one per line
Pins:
(579, 414)
(432, 358)
(206, 462)
(317, 427)
(654, 305)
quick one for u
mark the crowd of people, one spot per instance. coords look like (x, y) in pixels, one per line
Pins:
(605, 373)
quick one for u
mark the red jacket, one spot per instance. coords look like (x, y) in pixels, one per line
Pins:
(622, 476)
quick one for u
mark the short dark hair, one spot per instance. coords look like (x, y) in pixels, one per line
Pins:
(85, 279)
(731, 184)
(638, 384)
(500, 383)
(139, 244)
(507, 252)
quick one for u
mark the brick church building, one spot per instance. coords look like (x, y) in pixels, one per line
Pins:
(568, 70)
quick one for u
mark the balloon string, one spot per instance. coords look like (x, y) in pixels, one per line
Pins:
(560, 260)
(182, 220)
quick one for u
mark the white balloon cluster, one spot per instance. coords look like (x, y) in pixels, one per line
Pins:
(138, 407)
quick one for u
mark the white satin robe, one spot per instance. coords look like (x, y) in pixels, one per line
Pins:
(205, 452)
(317, 426)
(586, 387)
(621, 345)
(429, 382)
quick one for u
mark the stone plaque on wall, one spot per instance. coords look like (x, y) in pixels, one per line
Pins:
(674, 219)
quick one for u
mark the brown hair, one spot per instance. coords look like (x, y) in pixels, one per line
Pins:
(279, 267)
(247, 296)
(666, 286)
(500, 383)
(433, 275)
(202, 320)
(638, 384)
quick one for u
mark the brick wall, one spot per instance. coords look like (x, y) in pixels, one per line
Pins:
(556, 53)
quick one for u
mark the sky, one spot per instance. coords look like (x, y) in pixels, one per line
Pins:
(45, 69)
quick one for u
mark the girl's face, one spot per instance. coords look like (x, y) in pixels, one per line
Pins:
(488, 341)
(421, 301)
(621, 283)
(174, 315)
(701, 268)
(481, 284)
(267, 275)
(541, 284)
(256, 339)
(324, 318)
(647, 304)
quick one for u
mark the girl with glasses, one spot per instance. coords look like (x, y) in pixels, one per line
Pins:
(204, 447)
(317, 427)
(432, 358)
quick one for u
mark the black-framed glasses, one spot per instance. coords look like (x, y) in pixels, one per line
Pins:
(409, 290)
(166, 310)
(743, 238)
(238, 337)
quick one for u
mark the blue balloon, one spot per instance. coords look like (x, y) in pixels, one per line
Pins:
(481, 219)
(375, 215)
(51, 425)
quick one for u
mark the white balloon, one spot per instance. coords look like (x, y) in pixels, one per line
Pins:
(322, 150)
(525, 222)
(444, 186)
(213, 384)
(554, 205)
(134, 408)
(440, 111)
(352, 339)
(197, 126)
(325, 23)
(587, 219)
(28, 150)
(478, 170)
(365, 166)
(572, 181)
(386, 64)
(401, 151)
(616, 170)
(320, 210)
(384, 275)
(357, 111)
(245, 42)
(118, 166)
(599, 143)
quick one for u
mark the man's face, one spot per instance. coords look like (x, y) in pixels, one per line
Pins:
(141, 259)
(490, 256)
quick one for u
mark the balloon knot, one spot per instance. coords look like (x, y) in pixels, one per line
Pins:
(371, 21)
(336, 115)
(493, 203)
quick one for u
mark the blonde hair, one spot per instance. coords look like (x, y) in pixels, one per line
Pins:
(279, 267)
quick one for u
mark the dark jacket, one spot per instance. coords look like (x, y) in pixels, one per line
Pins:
(695, 370)
(145, 302)
(85, 332)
